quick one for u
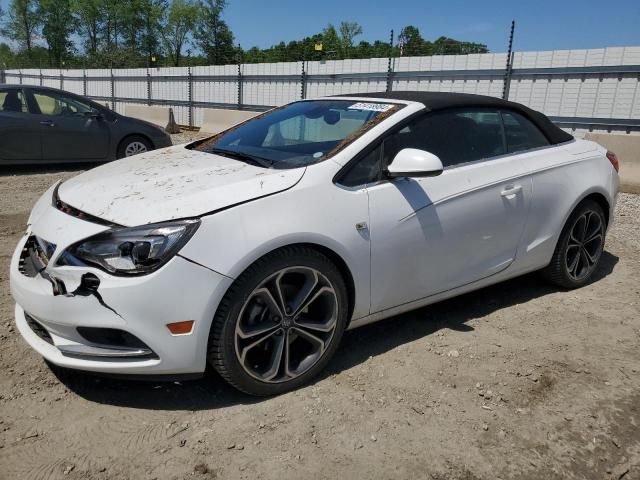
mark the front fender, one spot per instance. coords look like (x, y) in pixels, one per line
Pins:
(325, 215)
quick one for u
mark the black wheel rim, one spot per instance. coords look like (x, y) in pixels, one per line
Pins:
(585, 245)
(286, 324)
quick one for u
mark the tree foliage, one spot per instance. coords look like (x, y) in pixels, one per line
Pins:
(147, 33)
(212, 34)
(57, 26)
(179, 22)
(22, 21)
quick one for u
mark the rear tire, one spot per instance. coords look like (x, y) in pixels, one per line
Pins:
(579, 247)
(280, 322)
(133, 145)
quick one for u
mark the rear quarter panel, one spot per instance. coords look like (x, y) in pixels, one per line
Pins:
(562, 177)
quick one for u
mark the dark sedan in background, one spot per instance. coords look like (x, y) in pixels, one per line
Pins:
(40, 124)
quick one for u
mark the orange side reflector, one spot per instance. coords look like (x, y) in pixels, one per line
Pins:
(180, 328)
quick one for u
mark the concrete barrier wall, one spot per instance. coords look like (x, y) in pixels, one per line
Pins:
(216, 120)
(156, 115)
(627, 149)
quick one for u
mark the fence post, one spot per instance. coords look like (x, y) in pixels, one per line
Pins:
(20, 76)
(190, 92)
(390, 64)
(2, 77)
(303, 82)
(41, 79)
(61, 80)
(148, 87)
(509, 66)
(239, 87)
(85, 88)
(113, 91)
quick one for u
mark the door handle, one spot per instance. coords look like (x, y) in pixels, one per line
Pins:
(511, 190)
(48, 123)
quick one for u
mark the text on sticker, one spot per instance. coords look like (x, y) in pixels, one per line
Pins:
(374, 107)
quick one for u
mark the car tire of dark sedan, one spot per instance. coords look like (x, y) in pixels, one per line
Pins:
(280, 322)
(579, 248)
(132, 145)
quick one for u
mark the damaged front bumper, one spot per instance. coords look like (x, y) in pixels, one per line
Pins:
(84, 318)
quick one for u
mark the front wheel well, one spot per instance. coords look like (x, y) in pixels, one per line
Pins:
(344, 271)
(337, 261)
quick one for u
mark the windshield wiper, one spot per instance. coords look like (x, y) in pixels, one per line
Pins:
(254, 159)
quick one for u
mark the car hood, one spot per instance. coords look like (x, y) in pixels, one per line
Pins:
(170, 183)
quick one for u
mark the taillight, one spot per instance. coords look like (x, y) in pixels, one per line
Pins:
(614, 160)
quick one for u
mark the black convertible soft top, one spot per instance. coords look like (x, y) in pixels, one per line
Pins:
(441, 100)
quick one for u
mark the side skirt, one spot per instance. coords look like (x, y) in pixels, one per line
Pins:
(423, 302)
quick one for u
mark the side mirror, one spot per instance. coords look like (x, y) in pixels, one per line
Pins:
(95, 115)
(411, 162)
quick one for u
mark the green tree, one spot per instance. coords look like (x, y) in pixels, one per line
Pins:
(412, 42)
(57, 26)
(213, 35)
(132, 26)
(113, 18)
(89, 17)
(177, 27)
(348, 31)
(6, 56)
(331, 43)
(152, 13)
(22, 22)
(449, 46)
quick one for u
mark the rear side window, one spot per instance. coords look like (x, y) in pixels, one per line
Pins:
(12, 100)
(521, 134)
(455, 136)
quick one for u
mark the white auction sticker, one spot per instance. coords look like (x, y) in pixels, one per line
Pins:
(373, 107)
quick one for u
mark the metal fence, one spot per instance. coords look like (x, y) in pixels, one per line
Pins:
(580, 90)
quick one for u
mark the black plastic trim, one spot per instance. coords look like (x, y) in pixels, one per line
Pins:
(37, 328)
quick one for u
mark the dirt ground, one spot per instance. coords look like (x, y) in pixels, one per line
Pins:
(518, 380)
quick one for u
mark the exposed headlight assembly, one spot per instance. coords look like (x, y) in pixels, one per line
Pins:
(131, 251)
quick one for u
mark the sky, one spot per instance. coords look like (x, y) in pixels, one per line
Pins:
(540, 25)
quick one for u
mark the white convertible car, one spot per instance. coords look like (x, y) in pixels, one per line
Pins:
(255, 249)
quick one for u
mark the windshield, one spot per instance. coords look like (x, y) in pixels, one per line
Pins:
(298, 134)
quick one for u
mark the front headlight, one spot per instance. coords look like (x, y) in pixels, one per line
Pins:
(131, 251)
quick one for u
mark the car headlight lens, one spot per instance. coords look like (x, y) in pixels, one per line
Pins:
(131, 251)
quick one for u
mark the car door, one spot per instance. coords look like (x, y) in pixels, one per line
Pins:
(70, 128)
(19, 130)
(433, 234)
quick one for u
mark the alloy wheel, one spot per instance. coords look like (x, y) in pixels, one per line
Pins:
(286, 324)
(585, 245)
(134, 148)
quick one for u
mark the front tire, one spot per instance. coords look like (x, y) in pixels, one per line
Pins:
(133, 145)
(280, 322)
(579, 247)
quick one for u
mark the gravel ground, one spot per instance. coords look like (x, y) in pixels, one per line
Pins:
(518, 380)
(187, 136)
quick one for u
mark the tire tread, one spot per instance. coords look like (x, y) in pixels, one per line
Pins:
(555, 271)
(215, 349)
